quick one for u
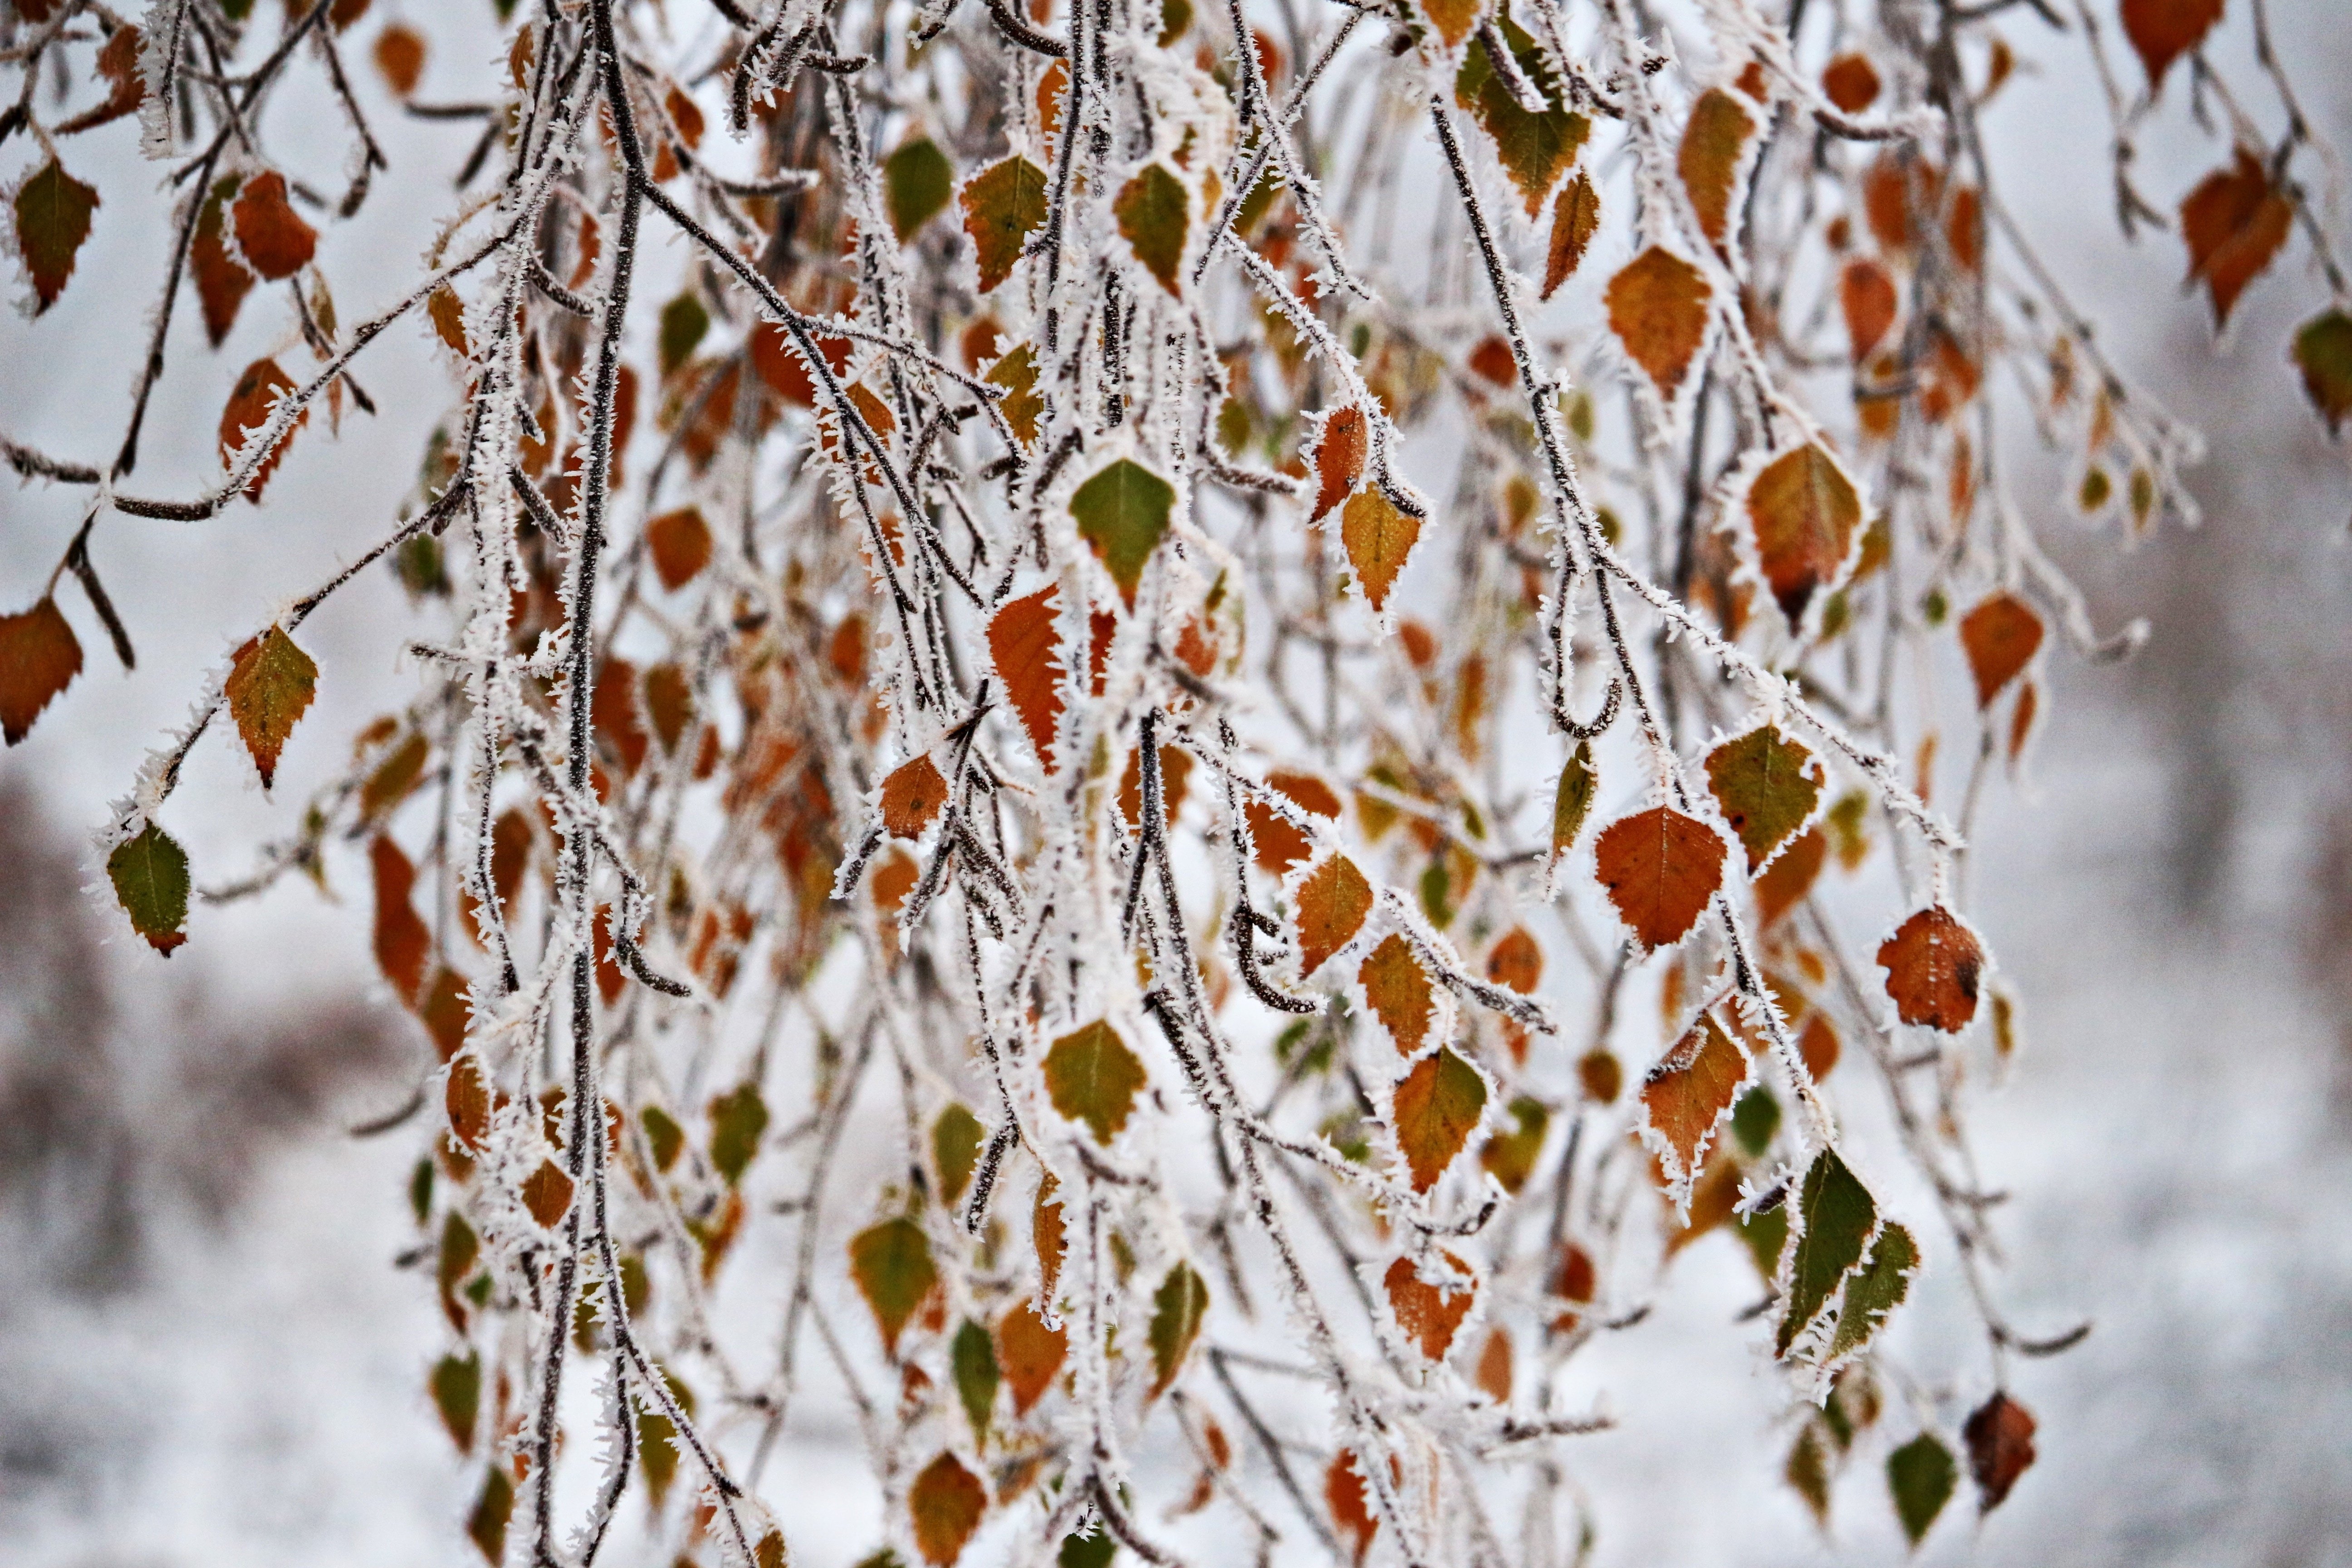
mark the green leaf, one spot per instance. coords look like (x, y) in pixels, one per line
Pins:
(955, 1149)
(2323, 350)
(1921, 1475)
(737, 1120)
(892, 1265)
(683, 322)
(1766, 1235)
(916, 183)
(1755, 1119)
(1768, 786)
(1878, 1291)
(1808, 1470)
(1437, 1105)
(1535, 150)
(1175, 20)
(1092, 1078)
(1177, 1309)
(1122, 513)
(1154, 216)
(1836, 1216)
(1510, 1157)
(268, 691)
(457, 1396)
(492, 1509)
(1572, 802)
(667, 1137)
(149, 874)
(53, 212)
(1001, 204)
(976, 1375)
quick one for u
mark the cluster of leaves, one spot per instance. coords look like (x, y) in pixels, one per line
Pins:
(991, 659)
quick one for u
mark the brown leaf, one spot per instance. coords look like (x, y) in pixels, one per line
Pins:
(1714, 140)
(118, 62)
(257, 390)
(1804, 515)
(1453, 19)
(1851, 82)
(1028, 654)
(681, 544)
(40, 656)
(1866, 294)
(1575, 219)
(1999, 1436)
(268, 688)
(1030, 1354)
(1430, 1314)
(1000, 206)
(274, 239)
(1333, 899)
(2001, 635)
(912, 797)
(53, 212)
(222, 281)
(1688, 1093)
(1437, 1105)
(1339, 442)
(1399, 992)
(546, 1194)
(1658, 308)
(1660, 867)
(400, 56)
(467, 1100)
(1494, 1377)
(1785, 882)
(2234, 222)
(1933, 965)
(947, 1502)
(402, 939)
(1378, 538)
(2163, 30)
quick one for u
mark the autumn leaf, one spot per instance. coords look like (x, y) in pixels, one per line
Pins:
(1001, 204)
(2323, 351)
(1453, 19)
(1047, 1228)
(917, 181)
(2234, 223)
(912, 797)
(1429, 1314)
(1836, 1216)
(222, 281)
(1333, 899)
(1658, 307)
(1121, 513)
(118, 62)
(1344, 1495)
(679, 542)
(1575, 219)
(1535, 150)
(1031, 1354)
(546, 1194)
(1516, 961)
(1876, 1291)
(466, 1101)
(402, 941)
(1022, 407)
(1803, 516)
(1921, 1476)
(1279, 844)
(1999, 1436)
(1177, 1309)
(1022, 642)
(274, 239)
(1437, 1105)
(150, 873)
(1093, 1077)
(1154, 216)
(669, 703)
(1399, 991)
(268, 688)
(1866, 294)
(892, 1265)
(1660, 868)
(1851, 82)
(956, 1138)
(1572, 801)
(1714, 140)
(1768, 786)
(2163, 30)
(1933, 965)
(1685, 1095)
(53, 212)
(946, 1502)
(40, 656)
(249, 406)
(1781, 885)
(2001, 636)
(1339, 441)
(1494, 1373)
(1379, 538)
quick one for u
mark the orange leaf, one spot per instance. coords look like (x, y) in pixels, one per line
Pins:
(1333, 899)
(402, 939)
(1713, 139)
(947, 1502)
(40, 656)
(268, 688)
(1279, 844)
(1027, 651)
(1046, 1225)
(400, 56)
(1516, 961)
(1030, 1354)
(1687, 1094)
(680, 544)
(2001, 636)
(1866, 292)
(1850, 82)
(1343, 1494)
(1782, 884)
(912, 796)
(1453, 19)
(1658, 308)
(2163, 30)
(1378, 539)
(1437, 1105)
(222, 281)
(1660, 867)
(2233, 222)
(1399, 991)
(1430, 1314)
(257, 390)
(1494, 1377)
(547, 1192)
(276, 241)
(1804, 514)
(1575, 219)
(1933, 963)
(467, 1100)
(1339, 442)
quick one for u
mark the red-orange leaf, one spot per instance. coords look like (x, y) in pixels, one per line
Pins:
(1851, 82)
(40, 656)
(912, 796)
(1430, 1314)
(947, 1502)
(1866, 294)
(2163, 30)
(1030, 1354)
(1343, 1494)
(257, 392)
(222, 281)
(2001, 635)
(1575, 219)
(400, 56)
(1279, 844)
(402, 939)
(2234, 222)
(1687, 1094)
(1028, 655)
(1333, 900)
(1341, 440)
(1933, 965)
(1516, 961)
(277, 242)
(1658, 308)
(1399, 992)
(1660, 867)
(680, 544)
